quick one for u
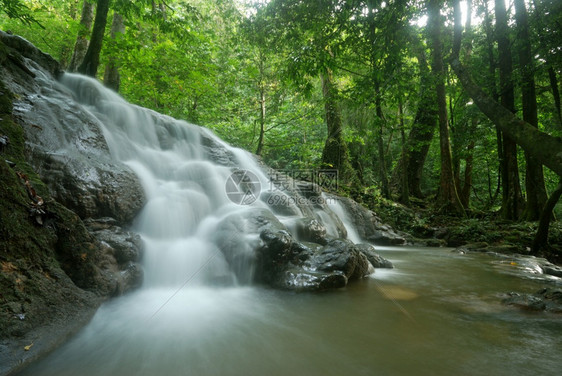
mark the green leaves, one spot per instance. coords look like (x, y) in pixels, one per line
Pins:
(18, 10)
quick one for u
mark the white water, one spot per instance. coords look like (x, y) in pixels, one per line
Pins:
(436, 314)
(340, 211)
(185, 188)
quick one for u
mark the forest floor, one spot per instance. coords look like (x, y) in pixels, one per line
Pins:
(485, 230)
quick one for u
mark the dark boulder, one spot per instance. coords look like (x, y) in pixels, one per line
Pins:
(368, 225)
(311, 230)
(342, 256)
(374, 258)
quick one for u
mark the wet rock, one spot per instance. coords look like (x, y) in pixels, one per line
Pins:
(281, 203)
(65, 144)
(27, 50)
(132, 276)
(217, 153)
(552, 269)
(342, 256)
(374, 258)
(503, 249)
(546, 299)
(311, 230)
(302, 280)
(127, 246)
(369, 226)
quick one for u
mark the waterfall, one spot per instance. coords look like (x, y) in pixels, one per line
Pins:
(201, 193)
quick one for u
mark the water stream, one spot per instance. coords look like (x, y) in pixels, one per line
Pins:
(436, 313)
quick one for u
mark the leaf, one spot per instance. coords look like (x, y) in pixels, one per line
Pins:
(26, 348)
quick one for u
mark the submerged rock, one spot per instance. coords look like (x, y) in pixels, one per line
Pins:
(546, 299)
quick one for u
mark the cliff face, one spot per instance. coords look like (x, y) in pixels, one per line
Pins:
(63, 243)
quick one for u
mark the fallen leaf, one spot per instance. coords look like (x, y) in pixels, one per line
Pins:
(26, 348)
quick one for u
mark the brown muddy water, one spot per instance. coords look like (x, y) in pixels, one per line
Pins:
(436, 313)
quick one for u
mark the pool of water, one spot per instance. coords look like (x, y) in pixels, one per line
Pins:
(436, 313)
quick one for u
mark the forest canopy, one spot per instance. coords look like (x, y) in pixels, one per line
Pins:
(408, 99)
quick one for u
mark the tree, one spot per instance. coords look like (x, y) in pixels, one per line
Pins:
(422, 131)
(534, 180)
(513, 203)
(89, 65)
(18, 10)
(311, 29)
(545, 148)
(111, 77)
(81, 45)
(447, 197)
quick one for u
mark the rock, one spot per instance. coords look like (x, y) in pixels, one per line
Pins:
(374, 258)
(127, 246)
(311, 230)
(27, 50)
(546, 299)
(342, 256)
(525, 301)
(281, 203)
(368, 225)
(64, 142)
(301, 280)
(132, 276)
(552, 269)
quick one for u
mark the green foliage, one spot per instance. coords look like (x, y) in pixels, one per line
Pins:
(16, 9)
(216, 62)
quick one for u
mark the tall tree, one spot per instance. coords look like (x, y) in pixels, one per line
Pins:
(91, 60)
(448, 197)
(512, 198)
(534, 179)
(422, 130)
(111, 77)
(335, 154)
(82, 41)
(313, 32)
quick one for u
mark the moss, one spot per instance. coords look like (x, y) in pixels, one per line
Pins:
(33, 286)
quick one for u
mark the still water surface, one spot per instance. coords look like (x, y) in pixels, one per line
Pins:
(436, 313)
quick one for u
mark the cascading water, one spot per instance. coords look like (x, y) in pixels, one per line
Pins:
(197, 314)
(184, 186)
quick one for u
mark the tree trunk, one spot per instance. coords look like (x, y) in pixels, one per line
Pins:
(111, 77)
(91, 60)
(547, 149)
(467, 184)
(494, 93)
(512, 198)
(541, 237)
(555, 92)
(262, 116)
(404, 187)
(379, 122)
(334, 155)
(81, 45)
(448, 197)
(421, 134)
(534, 180)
